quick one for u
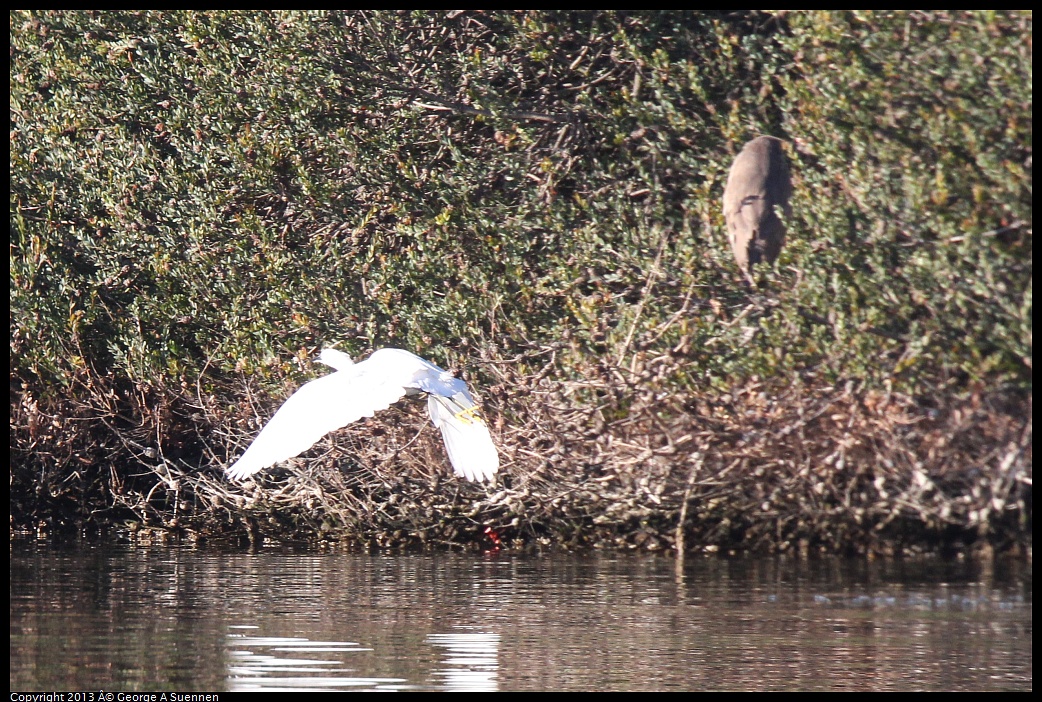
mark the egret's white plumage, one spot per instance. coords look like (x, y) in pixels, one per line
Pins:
(359, 390)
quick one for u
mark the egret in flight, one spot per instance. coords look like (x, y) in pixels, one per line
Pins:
(359, 390)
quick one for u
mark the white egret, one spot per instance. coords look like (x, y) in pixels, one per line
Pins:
(359, 390)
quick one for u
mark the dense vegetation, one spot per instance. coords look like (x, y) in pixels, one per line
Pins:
(200, 201)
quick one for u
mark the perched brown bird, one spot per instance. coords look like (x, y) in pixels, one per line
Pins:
(757, 188)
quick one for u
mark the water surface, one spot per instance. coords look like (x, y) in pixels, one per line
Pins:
(182, 619)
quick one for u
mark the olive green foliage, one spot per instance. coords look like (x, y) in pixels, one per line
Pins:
(917, 181)
(199, 198)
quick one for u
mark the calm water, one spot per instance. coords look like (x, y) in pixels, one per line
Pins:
(177, 619)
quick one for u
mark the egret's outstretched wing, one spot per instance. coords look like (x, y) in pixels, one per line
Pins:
(467, 440)
(317, 408)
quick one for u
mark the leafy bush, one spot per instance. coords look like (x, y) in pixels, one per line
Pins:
(200, 198)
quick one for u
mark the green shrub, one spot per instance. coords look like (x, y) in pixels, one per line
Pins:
(200, 198)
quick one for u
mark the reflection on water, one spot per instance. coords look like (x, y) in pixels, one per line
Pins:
(178, 619)
(261, 664)
(470, 661)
